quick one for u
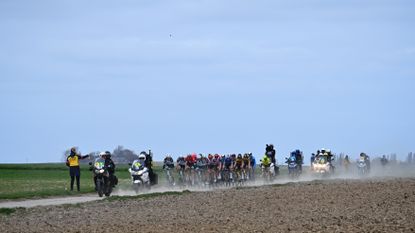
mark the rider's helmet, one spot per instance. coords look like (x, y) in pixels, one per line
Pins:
(102, 154)
(73, 149)
(217, 156)
(108, 154)
(142, 157)
(239, 156)
(233, 156)
(210, 156)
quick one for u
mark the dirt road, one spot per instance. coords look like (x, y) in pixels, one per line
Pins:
(49, 201)
(328, 206)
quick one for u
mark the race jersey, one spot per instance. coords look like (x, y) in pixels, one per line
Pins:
(211, 163)
(253, 162)
(238, 162)
(190, 162)
(246, 161)
(228, 162)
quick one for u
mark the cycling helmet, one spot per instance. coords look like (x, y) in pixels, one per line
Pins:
(108, 154)
(217, 156)
(210, 156)
(73, 149)
(239, 156)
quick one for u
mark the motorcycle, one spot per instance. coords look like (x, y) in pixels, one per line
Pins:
(293, 169)
(101, 177)
(322, 166)
(362, 167)
(139, 176)
(267, 172)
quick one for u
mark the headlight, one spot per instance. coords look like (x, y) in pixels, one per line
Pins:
(101, 171)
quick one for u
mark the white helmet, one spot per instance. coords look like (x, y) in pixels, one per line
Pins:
(102, 154)
(142, 156)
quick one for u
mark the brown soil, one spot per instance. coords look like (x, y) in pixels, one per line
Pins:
(326, 206)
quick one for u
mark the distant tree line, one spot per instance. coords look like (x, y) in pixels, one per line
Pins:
(120, 155)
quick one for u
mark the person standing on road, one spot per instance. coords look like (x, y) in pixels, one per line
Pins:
(72, 161)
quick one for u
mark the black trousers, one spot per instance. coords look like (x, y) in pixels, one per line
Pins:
(75, 172)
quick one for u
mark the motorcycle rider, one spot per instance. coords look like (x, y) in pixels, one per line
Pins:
(142, 159)
(299, 159)
(366, 158)
(109, 164)
(148, 163)
(270, 152)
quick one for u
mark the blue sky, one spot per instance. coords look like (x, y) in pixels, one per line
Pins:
(206, 76)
